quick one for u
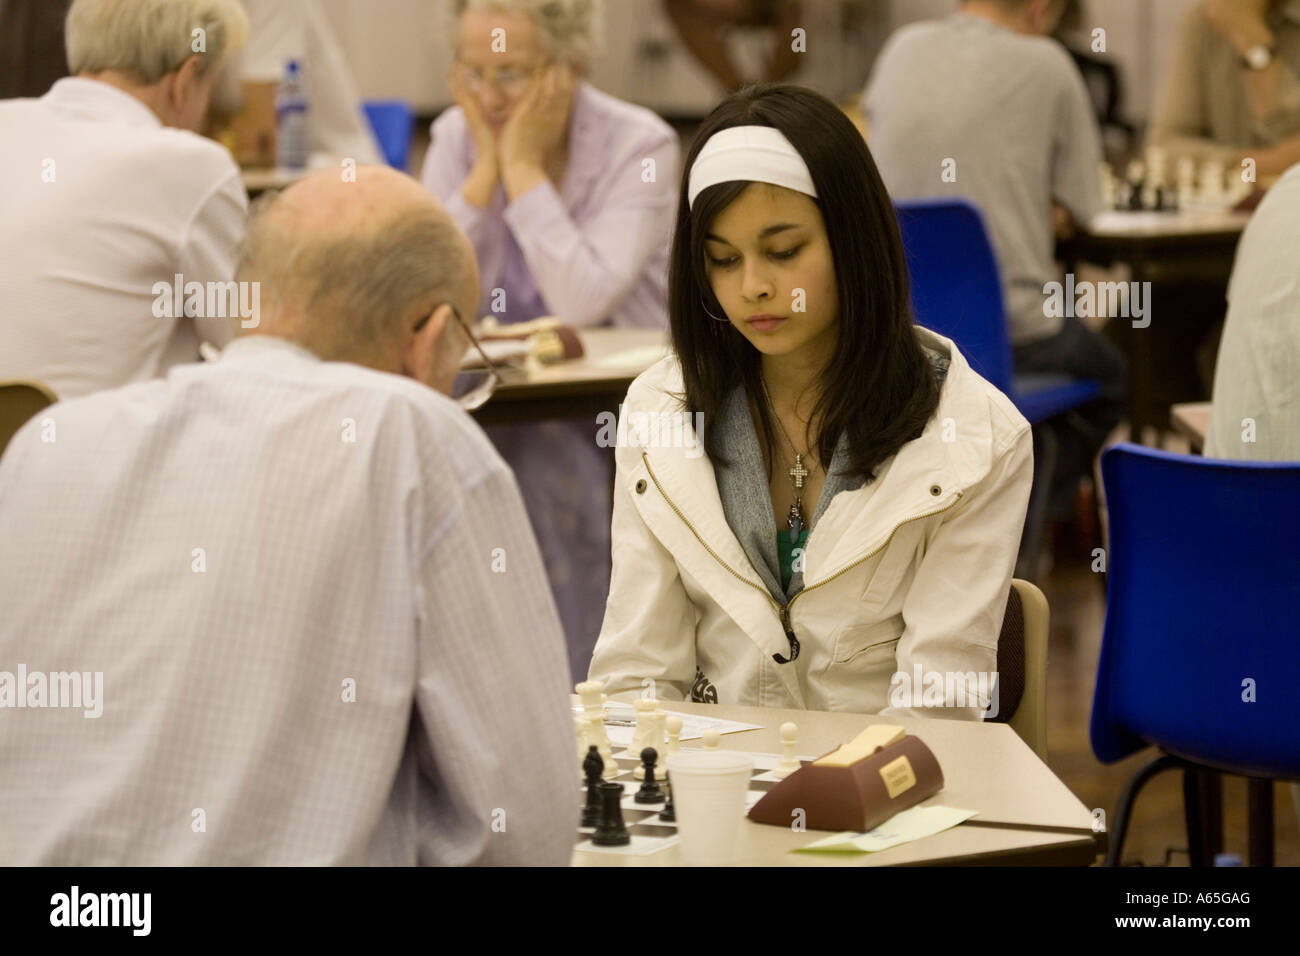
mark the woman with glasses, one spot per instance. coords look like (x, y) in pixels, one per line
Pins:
(849, 535)
(567, 195)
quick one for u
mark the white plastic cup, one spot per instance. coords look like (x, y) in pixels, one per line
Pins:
(709, 788)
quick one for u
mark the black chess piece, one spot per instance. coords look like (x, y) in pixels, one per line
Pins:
(669, 813)
(650, 791)
(593, 766)
(610, 830)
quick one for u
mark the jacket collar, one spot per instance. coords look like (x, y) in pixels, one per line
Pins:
(955, 451)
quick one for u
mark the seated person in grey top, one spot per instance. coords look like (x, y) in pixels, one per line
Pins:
(985, 106)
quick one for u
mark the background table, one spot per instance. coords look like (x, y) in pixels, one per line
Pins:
(1187, 258)
(1026, 815)
(577, 388)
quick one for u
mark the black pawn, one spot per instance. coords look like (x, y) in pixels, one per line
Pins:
(650, 791)
(593, 766)
(610, 830)
(669, 813)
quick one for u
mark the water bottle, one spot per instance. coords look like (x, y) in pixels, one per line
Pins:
(292, 140)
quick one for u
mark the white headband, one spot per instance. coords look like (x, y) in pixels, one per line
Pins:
(759, 154)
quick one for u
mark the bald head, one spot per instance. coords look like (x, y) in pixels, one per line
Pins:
(349, 268)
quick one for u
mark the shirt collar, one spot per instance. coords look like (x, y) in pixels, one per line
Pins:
(95, 100)
(255, 347)
(965, 17)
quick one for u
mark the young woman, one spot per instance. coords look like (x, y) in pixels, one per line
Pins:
(857, 511)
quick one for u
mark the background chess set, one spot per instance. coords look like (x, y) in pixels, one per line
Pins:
(1147, 186)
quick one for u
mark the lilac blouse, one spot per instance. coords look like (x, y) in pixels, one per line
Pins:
(595, 252)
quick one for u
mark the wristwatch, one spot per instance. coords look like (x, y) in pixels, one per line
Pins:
(1258, 57)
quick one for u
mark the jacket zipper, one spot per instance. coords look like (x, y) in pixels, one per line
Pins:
(783, 610)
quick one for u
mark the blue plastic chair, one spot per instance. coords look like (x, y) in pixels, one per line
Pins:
(392, 122)
(1203, 594)
(957, 292)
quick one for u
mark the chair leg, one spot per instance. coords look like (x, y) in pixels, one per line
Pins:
(1259, 799)
(1126, 799)
(1203, 812)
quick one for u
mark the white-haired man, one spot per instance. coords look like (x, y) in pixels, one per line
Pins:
(109, 194)
(300, 588)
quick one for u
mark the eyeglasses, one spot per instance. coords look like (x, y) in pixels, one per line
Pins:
(510, 81)
(472, 388)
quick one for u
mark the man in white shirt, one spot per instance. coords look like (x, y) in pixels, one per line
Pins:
(299, 583)
(284, 30)
(1256, 413)
(107, 192)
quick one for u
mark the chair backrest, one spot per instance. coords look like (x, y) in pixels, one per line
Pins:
(1029, 718)
(1022, 666)
(1200, 655)
(956, 286)
(20, 401)
(392, 121)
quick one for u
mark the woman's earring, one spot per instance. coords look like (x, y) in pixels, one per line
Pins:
(710, 314)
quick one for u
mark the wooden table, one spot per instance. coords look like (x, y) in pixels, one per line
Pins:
(578, 388)
(1187, 258)
(1192, 421)
(1026, 815)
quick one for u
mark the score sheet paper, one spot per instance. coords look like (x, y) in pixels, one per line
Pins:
(903, 827)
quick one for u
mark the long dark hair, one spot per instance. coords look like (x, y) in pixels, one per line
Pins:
(878, 388)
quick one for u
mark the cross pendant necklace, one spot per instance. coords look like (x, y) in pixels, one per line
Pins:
(797, 474)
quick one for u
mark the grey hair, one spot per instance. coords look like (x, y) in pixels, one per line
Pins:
(572, 30)
(349, 295)
(151, 38)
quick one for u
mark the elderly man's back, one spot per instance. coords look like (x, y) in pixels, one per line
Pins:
(312, 650)
(100, 203)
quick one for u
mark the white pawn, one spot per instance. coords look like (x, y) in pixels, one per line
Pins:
(674, 727)
(711, 738)
(789, 762)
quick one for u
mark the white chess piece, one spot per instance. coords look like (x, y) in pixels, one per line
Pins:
(641, 733)
(1186, 179)
(789, 762)
(711, 738)
(654, 737)
(580, 726)
(1211, 181)
(673, 725)
(591, 693)
(596, 735)
(1109, 187)
(1155, 159)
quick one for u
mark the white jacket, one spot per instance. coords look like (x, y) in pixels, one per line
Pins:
(907, 574)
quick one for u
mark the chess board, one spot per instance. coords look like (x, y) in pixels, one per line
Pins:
(650, 834)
